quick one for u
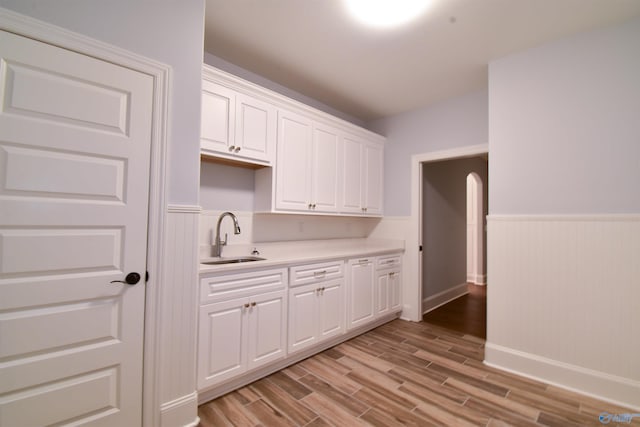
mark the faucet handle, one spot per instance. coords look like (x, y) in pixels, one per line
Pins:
(226, 239)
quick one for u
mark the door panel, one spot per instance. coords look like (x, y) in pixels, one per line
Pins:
(267, 328)
(75, 135)
(293, 179)
(223, 322)
(332, 308)
(303, 303)
(352, 170)
(325, 169)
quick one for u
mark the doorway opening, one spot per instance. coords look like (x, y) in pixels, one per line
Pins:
(452, 260)
(415, 297)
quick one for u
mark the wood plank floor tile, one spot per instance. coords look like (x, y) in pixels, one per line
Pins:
(331, 372)
(333, 413)
(268, 415)
(403, 374)
(454, 407)
(284, 402)
(292, 386)
(331, 393)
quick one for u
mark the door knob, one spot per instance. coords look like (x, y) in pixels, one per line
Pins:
(131, 279)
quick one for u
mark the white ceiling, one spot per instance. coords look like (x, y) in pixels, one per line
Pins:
(315, 48)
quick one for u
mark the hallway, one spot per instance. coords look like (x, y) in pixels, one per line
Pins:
(466, 314)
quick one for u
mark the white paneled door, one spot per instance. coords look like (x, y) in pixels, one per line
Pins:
(74, 180)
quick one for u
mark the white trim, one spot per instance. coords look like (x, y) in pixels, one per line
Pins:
(441, 298)
(479, 279)
(175, 412)
(412, 307)
(184, 209)
(599, 385)
(161, 73)
(566, 217)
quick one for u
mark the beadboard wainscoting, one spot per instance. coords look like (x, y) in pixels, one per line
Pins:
(564, 301)
(178, 329)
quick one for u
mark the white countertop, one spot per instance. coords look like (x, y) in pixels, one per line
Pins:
(279, 254)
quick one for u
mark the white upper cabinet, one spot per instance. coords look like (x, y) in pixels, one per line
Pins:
(293, 177)
(362, 169)
(325, 169)
(372, 179)
(236, 126)
(318, 163)
(308, 167)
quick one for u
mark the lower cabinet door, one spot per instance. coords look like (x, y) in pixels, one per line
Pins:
(267, 328)
(362, 293)
(382, 288)
(222, 341)
(331, 309)
(395, 290)
(303, 305)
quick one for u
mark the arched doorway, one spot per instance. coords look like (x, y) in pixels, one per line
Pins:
(475, 231)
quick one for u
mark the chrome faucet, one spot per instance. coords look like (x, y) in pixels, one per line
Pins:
(219, 242)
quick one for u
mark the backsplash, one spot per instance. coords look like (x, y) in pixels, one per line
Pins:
(261, 227)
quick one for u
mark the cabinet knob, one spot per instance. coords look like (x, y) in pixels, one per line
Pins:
(246, 305)
(237, 149)
(232, 148)
(253, 304)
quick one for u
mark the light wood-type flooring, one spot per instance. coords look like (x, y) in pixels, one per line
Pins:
(403, 374)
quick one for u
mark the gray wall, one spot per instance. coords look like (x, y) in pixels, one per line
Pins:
(445, 222)
(457, 122)
(164, 30)
(224, 187)
(564, 124)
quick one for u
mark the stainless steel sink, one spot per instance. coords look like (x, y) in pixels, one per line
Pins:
(233, 260)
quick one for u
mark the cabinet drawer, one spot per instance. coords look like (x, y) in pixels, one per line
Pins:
(388, 261)
(222, 287)
(313, 273)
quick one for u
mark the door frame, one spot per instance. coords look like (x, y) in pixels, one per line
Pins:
(161, 73)
(414, 239)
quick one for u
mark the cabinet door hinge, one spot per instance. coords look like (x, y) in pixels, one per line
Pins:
(146, 277)
(420, 248)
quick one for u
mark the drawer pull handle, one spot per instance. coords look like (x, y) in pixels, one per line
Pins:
(319, 273)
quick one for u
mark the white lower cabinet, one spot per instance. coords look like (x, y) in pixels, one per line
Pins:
(253, 318)
(241, 334)
(316, 304)
(388, 285)
(361, 301)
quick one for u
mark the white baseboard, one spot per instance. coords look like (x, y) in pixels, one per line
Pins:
(441, 298)
(180, 412)
(610, 388)
(477, 279)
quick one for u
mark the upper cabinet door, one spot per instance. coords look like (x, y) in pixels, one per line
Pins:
(372, 179)
(325, 169)
(217, 127)
(255, 129)
(352, 167)
(293, 180)
(236, 126)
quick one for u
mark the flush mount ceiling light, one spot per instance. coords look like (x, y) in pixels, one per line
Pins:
(386, 13)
